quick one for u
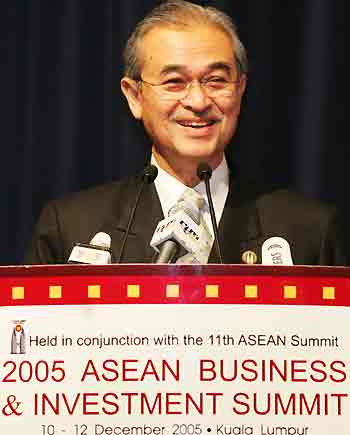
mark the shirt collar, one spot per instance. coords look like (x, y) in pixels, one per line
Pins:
(170, 189)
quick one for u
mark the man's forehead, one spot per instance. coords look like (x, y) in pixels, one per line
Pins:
(187, 35)
(171, 49)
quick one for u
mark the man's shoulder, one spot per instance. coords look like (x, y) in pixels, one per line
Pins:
(283, 200)
(272, 199)
(103, 195)
(78, 217)
(284, 208)
(80, 214)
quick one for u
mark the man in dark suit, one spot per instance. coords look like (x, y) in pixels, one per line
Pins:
(185, 75)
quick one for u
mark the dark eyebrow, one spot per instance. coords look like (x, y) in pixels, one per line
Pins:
(221, 65)
(172, 68)
(182, 68)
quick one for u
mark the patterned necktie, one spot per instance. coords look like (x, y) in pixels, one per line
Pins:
(193, 200)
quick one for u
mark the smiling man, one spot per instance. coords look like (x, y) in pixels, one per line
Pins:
(188, 93)
(185, 75)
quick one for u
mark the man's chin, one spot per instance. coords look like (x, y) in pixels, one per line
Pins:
(199, 151)
(192, 160)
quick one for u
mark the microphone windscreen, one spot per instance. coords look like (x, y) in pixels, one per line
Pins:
(190, 209)
(276, 251)
(101, 239)
(149, 174)
(204, 171)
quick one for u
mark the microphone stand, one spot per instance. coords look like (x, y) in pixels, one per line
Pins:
(148, 176)
(204, 172)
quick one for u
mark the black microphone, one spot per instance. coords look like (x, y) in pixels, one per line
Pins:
(204, 172)
(149, 174)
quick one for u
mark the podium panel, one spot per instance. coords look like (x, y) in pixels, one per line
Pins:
(174, 350)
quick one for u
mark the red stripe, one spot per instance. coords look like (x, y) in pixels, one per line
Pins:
(191, 279)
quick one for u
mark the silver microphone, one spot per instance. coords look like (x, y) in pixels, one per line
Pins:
(95, 252)
(181, 231)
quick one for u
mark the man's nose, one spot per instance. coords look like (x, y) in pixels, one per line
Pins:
(196, 98)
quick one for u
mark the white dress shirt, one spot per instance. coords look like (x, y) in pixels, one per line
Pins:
(170, 189)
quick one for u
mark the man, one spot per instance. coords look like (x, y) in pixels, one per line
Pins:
(185, 75)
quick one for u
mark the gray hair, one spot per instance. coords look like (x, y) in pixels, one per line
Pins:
(181, 13)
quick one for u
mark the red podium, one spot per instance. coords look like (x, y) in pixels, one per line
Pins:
(167, 349)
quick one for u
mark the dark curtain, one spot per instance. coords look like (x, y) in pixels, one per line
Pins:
(65, 125)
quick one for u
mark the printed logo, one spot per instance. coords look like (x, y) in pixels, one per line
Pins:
(18, 339)
(188, 230)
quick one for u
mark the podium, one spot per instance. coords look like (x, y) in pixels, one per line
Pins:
(174, 349)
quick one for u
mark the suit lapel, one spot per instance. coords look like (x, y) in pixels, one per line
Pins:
(148, 214)
(239, 228)
(147, 217)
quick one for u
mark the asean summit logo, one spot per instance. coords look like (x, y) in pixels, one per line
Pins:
(18, 339)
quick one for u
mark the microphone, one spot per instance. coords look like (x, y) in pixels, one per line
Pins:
(276, 251)
(95, 252)
(204, 172)
(181, 231)
(102, 240)
(149, 174)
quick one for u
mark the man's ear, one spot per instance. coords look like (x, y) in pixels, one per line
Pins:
(130, 89)
(242, 85)
(240, 91)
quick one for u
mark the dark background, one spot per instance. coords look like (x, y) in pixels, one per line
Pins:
(66, 126)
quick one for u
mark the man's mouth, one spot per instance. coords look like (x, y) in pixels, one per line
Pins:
(196, 124)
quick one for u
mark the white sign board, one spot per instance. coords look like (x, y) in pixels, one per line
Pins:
(174, 369)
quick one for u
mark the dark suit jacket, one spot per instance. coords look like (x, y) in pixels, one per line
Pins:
(251, 215)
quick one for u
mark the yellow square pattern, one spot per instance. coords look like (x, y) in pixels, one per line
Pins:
(17, 292)
(289, 292)
(328, 292)
(55, 292)
(212, 291)
(251, 291)
(133, 291)
(94, 291)
(172, 291)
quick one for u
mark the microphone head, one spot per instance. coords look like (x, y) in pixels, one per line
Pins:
(149, 174)
(276, 251)
(96, 252)
(204, 171)
(190, 209)
(101, 239)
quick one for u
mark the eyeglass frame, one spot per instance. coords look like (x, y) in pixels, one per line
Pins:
(174, 97)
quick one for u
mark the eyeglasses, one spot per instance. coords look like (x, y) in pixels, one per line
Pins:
(178, 89)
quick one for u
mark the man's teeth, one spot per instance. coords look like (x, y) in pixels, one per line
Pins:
(197, 124)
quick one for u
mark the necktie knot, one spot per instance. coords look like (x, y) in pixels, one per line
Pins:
(194, 197)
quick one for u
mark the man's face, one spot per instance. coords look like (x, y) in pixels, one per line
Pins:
(197, 127)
